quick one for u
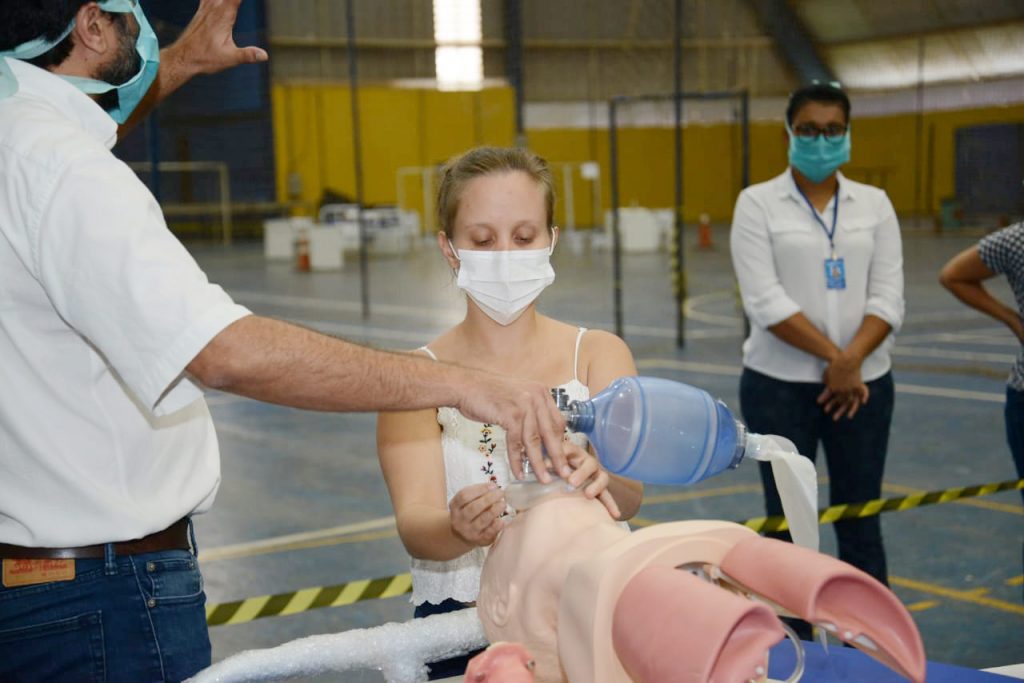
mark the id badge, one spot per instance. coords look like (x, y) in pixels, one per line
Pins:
(835, 273)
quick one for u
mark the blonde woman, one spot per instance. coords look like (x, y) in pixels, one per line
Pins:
(445, 473)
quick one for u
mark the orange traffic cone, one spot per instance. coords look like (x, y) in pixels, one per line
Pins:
(302, 252)
(704, 232)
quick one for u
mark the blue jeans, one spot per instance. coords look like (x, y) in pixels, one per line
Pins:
(855, 452)
(132, 618)
(1014, 413)
(455, 666)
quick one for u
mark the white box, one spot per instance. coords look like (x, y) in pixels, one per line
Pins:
(325, 247)
(349, 231)
(279, 237)
(639, 229)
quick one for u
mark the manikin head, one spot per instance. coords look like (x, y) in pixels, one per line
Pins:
(495, 208)
(522, 579)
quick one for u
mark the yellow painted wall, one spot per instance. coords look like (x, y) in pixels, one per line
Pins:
(711, 166)
(399, 128)
(884, 153)
(423, 127)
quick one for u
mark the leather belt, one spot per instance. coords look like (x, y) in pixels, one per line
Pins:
(172, 538)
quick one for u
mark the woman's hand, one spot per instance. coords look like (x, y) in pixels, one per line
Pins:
(475, 513)
(588, 474)
(844, 391)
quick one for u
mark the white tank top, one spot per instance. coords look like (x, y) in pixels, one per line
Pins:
(474, 453)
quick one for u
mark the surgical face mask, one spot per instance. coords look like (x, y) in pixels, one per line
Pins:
(127, 62)
(504, 283)
(134, 86)
(818, 158)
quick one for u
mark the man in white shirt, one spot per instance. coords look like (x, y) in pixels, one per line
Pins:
(107, 330)
(820, 268)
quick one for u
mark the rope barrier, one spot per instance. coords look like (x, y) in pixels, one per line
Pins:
(871, 508)
(294, 602)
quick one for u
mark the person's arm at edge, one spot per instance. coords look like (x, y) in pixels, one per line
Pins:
(963, 275)
(277, 362)
(206, 46)
(607, 358)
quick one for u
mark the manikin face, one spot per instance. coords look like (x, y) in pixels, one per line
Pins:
(525, 569)
(499, 212)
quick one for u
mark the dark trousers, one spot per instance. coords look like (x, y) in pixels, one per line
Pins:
(1014, 413)
(455, 666)
(854, 452)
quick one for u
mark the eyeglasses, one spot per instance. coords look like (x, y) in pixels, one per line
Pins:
(809, 131)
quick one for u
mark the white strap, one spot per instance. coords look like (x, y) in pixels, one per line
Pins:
(427, 351)
(576, 355)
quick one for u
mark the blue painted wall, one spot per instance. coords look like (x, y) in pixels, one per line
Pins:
(989, 169)
(222, 117)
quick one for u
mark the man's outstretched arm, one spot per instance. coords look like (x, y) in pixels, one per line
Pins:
(206, 46)
(277, 362)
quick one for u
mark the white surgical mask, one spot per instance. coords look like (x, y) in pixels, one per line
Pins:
(504, 283)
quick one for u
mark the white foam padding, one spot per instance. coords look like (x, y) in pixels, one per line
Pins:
(399, 651)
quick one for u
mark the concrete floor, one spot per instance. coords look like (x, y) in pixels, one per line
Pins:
(957, 566)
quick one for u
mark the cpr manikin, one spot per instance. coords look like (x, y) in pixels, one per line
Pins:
(592, 602)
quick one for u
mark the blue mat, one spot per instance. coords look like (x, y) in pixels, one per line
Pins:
(847, 665)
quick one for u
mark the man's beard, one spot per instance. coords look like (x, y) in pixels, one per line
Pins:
(126, 63)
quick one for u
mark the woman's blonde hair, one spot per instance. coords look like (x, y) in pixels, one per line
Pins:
(483, 161)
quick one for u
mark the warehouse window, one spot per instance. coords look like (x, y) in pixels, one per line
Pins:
(458, 59)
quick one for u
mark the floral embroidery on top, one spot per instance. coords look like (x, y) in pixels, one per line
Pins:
(486, 448)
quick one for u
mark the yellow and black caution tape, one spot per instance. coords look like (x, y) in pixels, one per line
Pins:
(871, 508)
(242, 611)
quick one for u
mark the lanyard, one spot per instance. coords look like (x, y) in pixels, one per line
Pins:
(835, 217)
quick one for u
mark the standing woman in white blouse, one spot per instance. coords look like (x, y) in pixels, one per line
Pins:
(446, 473)
(820, 268)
